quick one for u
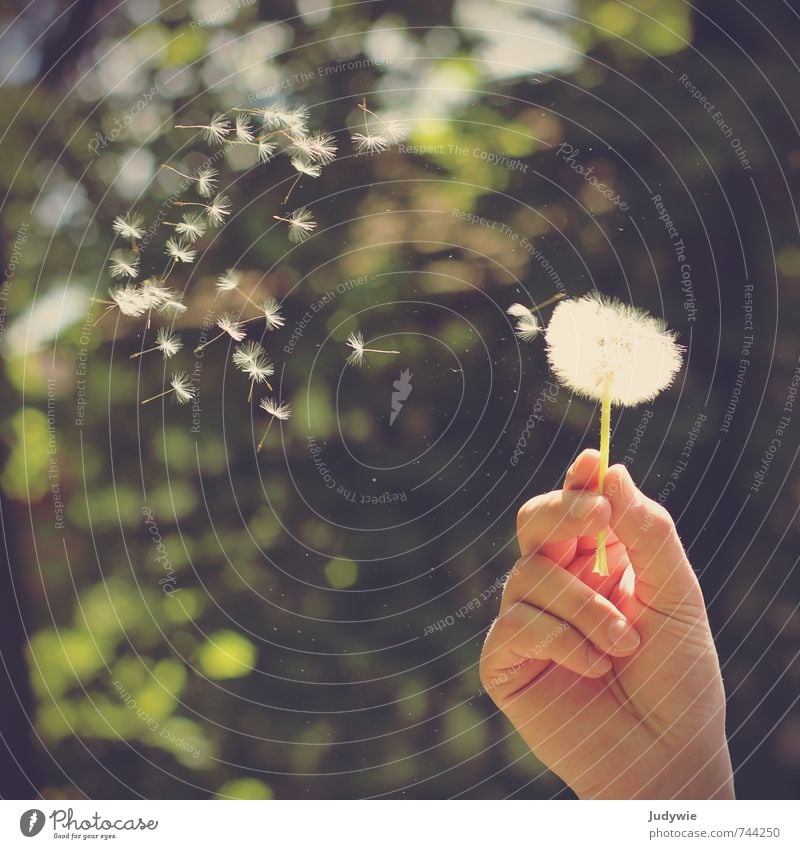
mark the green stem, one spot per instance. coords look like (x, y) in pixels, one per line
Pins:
(601, 563)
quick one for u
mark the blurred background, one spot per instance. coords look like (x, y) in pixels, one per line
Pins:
(183, 617)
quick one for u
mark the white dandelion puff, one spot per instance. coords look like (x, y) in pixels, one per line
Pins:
(218, 209)
(129, 299)
(393, 131)
(129, 226)
(192, 226)
(206, 181)
(228, 323)
(229, 280)
(280, 116)
(214, 132)
(356, 341)
(613, 353)
(318, 148)
(180, 386)
(264, 151)
(301, 224)
(243, 129)
(304, 167)
(276, 411)
(167, 342)
(179, 250)
(123, 264)
(251, 358)
(527, 325)
(369, 143)
(272, 314)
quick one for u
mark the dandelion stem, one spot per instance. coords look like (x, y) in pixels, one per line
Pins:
(556, 297)
(379, 351)
(160, 395)
(187, 176)
(103, 315)
(261, 444)
(291, 188)
(206, 344)
(146, 351)
(601, 562)
(249, 301)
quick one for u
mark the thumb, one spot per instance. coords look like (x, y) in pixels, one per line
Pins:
(665, 580)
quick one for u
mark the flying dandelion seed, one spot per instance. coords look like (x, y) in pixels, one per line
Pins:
(180, 387)
(301, 224)
(251, 358)
(265, 150)
(272, 314)
(243, 130)
(123, 264)
(214, 132)
(167, 342)
(304, 167)
(368, 143)
(206, 181)
(229, 280)
(192, 226)
(129, 299)
(611, 353)
(129, 226)
(229, 326)
(219, 207)
(356, 342)
(280, 412)
(527, 325)
(179, 250)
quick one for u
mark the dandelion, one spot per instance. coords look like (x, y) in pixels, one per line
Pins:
(229, 280)
(280, 116)
(356, 342)
(611, 353)
(180, 385)
(215, 211)
(205, 177)
(192, 226)
(282, 412)
(179, 250)
(301, 224)
(243, 129)
(251, 358)
(264, 151)
(272, 314)
(303, 168)
(129, 226)
(129, 299)
(123, 264)
(167, 342)
(368, 143)
(319, 148)
(528, 326)
(229, 325)
(214, 132)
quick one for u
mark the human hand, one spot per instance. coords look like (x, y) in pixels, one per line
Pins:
(612, 681)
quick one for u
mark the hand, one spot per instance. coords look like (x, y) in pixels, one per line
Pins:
(613, 682)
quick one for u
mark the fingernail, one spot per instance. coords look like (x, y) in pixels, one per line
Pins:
(583, 505)
(598, 662)
(623, 637)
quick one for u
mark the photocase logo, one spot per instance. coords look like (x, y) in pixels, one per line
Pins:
(31, 822)
(402, 389)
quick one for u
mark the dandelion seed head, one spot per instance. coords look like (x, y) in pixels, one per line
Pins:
(229, 280)
(181, 384)
(265, 151)
(318, 148)
(527, 325)
(282, 411)
(280, 116)
(129, 226)
(123, 264)
(273, 314)
(167, 342)
(597, 345)
(231, 325)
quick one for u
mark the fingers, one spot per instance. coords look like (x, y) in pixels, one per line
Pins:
(539, 582)
(551, 523)
(524, 640)
(663, 573)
